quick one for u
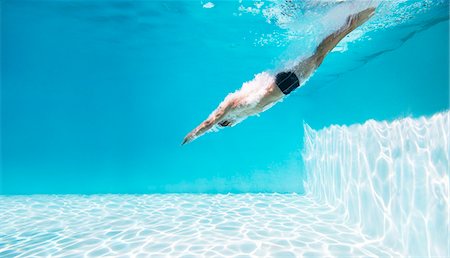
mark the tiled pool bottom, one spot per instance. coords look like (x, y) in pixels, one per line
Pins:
(177, 225)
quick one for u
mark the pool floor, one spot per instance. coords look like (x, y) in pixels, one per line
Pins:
(178, 225)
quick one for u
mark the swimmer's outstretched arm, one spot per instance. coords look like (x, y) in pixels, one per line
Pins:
(233, 103)
(280, 86)
(212, 120)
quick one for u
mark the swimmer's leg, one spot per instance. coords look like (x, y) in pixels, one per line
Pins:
(353, 22)
(305, 68)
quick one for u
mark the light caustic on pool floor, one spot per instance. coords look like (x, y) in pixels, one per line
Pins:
(177, 225)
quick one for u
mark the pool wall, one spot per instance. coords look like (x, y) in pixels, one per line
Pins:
(389, 179)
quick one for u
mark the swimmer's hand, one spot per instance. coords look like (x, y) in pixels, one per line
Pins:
(189, 138)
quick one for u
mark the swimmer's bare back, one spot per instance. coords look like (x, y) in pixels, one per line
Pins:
(236, 106)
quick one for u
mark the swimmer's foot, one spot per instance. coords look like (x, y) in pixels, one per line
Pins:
(361, 17)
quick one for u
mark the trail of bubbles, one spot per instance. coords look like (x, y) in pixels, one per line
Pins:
(304, 24)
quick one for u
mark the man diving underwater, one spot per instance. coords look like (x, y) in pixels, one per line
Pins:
(251, 100)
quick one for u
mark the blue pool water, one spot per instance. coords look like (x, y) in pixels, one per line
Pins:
(97, 96)
(386, 195)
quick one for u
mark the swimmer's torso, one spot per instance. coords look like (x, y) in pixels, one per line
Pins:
(290, 80)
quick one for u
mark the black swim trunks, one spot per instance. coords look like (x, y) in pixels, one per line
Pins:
(287, 82)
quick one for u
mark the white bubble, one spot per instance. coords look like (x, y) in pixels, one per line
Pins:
(208, 5)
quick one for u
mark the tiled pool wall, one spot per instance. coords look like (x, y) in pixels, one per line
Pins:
(389, 179)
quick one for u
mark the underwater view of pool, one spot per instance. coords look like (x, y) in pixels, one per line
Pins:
(97, 96)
